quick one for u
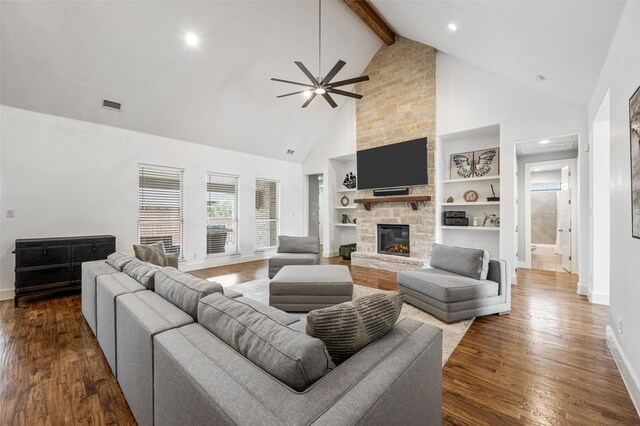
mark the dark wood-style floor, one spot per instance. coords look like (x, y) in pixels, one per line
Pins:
(545, 363)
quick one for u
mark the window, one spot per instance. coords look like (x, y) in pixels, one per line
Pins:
(222, 214)
(160, 207)
(267, 213)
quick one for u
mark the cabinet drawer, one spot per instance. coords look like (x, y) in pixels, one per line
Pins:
(42, 255)
(37, 277)
(87, 252)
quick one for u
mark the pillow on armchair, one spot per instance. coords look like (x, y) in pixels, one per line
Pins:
(151, 253)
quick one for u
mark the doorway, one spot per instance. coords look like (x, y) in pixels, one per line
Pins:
(316, 189)
(547, 204)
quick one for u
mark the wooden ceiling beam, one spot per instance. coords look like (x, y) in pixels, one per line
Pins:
(372, 18)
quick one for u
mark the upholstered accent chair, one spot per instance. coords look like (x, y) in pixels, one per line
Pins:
(295, 251)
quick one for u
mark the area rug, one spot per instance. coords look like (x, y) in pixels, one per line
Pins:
(453, 333)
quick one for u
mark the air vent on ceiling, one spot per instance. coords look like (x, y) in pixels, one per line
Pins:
(115, 106)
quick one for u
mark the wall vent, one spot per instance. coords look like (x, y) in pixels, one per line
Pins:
(115, 106)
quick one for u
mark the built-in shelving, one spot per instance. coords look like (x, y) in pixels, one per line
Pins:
(449, 184)
(472, 228)
(340, 191)
(352, 225)
(467, 180)
(346, 208)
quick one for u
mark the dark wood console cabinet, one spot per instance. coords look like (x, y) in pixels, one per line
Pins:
(49, 266)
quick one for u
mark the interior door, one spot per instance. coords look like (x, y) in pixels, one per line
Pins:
(564, 211)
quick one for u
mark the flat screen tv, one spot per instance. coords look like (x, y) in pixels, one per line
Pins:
(389, 166)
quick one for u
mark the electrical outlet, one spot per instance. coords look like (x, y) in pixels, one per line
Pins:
(11, 213)
(620, 326)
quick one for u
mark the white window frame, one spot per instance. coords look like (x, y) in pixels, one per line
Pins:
(156, 169)
(235, 219)
(277, 219)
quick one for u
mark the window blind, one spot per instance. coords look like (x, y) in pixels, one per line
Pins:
(267, 213)
(161, 207)
(222, 214)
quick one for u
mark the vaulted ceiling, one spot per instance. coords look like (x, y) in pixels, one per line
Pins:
(64, 57)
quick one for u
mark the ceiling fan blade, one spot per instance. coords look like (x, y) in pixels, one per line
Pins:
(313, 95)
(343, 93)
(330, 100)
(290, 94)
(349, 81)
(306, 72)
(335, 70)
(292, 82)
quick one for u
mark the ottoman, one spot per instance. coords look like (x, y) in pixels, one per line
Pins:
(303, 288)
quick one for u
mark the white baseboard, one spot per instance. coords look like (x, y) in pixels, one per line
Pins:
(330, 254)
(522, 264)
(598, 298)
(629, 376)
(514, 279)
(582, 289)
(7, 294)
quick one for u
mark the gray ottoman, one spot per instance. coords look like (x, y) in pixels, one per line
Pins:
(303, 288)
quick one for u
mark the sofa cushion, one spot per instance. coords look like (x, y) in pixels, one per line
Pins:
(472, 263)
(292, 357)
(119, 260)
(348, 327)
(447, 286)
(183, 290)
(283, 259)
(288, 244)
(151, 253)
(142, 272)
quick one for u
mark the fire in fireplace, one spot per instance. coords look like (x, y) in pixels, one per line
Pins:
(394, 239)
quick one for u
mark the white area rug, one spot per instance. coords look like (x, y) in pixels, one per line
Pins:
(453, 333)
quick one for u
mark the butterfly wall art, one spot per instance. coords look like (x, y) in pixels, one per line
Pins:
(467, 165)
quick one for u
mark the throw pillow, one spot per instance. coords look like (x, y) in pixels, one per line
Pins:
(348, 327)
(119, 260)
(151, 253)
(290, 356)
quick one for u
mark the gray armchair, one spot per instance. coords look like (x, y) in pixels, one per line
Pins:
(295, 251)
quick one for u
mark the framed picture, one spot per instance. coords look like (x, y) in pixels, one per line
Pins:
(465, 165)
(634, 136)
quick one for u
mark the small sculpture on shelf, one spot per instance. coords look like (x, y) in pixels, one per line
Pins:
(450, 199)
(494, 198)
(350, 181)
(345, 219)
(492, 219)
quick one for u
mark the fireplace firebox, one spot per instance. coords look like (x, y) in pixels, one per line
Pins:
(394, 240)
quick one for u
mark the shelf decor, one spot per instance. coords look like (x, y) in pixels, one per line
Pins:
(349, 181)
(470, 196)
(634, 136)
(475, 164)
(344, 200)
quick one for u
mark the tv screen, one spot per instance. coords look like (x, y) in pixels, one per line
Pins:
(398, 164)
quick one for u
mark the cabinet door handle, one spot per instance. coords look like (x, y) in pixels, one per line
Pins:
(44, 249)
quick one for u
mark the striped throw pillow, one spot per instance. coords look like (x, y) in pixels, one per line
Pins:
(348, 327)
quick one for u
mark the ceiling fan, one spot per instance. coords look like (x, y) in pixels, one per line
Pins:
(319, 85)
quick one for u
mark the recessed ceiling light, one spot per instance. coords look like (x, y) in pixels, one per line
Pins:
(452, 27)
(544, 141)
(290, 151)
(191, 39)
(320, 91)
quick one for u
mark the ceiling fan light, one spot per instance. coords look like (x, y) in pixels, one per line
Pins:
(307, 94)
(320, 91)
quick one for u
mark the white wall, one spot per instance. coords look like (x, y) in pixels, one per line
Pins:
(68, 177)
(339, 140)
(470, 97)
(551, 176)
(621, 77)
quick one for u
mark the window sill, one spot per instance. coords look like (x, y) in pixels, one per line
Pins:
(222, 255)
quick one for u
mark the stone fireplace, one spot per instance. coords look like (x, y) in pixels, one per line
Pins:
(394, 240)
(399, 104)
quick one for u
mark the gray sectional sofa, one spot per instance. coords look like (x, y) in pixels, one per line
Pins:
(461, 283)
(177, 347)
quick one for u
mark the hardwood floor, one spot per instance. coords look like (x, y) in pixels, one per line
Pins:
(546, 362)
